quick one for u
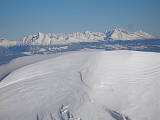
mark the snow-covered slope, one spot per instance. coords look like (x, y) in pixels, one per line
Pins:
(6, 43)
(19, 62)
(120, 34)
(87, 85)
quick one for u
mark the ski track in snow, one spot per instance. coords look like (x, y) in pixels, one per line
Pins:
(95, 85)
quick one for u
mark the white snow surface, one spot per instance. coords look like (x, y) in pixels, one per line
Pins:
(16, 63)
(86, 84)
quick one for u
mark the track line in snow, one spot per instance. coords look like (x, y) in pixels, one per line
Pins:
(24, 79)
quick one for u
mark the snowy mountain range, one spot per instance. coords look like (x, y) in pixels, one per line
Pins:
(6, 43)
(47, 39)
(76, 37)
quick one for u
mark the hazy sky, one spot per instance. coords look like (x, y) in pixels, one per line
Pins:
(23, 17)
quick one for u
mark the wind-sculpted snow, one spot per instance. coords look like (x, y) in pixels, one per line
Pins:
(6, 69)
(86, 85)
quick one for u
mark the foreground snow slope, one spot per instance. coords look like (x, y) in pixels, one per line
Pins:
(6, 69)
(86, 84)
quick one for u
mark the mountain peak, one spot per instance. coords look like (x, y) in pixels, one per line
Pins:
(121, 34)
(119, 30)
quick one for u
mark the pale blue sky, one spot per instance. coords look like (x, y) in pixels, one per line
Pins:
(23, 17)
